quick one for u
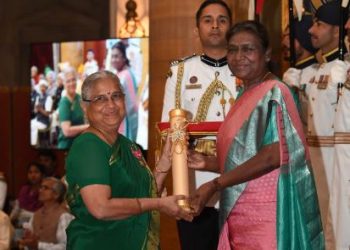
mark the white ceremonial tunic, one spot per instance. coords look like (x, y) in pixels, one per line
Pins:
(298, 78)
(322, 103)
(197, 78)
(340, 191)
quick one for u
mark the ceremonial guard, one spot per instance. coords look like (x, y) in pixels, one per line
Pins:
(297, 77)
(340, 191)
(322, 93)
(204, 86)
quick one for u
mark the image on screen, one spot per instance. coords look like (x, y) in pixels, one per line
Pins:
(55, 114)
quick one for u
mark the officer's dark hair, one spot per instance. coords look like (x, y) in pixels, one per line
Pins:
(255, 28)
(122, 48)
(210, 2)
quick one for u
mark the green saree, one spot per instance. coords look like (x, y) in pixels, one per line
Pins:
(122, 167)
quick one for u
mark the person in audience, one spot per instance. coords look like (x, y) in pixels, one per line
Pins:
(34, 74)
(46, 229)
(58, 93)
(90, 66)
(6, 231)
(268, 195)
(27, 201)
(51, 81)
(120, 63)
(47, 158)
(42, 108)
(71, 116)
(111, 191)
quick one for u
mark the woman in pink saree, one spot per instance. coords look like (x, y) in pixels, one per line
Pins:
(268, 196)
(127, 79)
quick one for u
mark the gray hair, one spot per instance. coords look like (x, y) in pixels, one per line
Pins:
(58, 187)
(51, 74)
(96, 77)
(68, 70)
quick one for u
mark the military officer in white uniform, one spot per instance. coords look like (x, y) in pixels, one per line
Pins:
(204, 86)
(322, 93)
(340, 191)
(296, 77)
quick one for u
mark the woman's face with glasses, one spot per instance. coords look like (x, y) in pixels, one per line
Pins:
(105, 106)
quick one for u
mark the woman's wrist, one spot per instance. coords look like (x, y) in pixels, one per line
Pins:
(158, 205)
(216, 184)
(139, 206)
(163, 165)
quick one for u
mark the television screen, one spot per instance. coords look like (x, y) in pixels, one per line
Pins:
(56, 116)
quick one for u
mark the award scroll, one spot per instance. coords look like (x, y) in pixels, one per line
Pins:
(178, 124)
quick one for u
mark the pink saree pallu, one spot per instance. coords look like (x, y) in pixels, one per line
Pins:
(267, 212)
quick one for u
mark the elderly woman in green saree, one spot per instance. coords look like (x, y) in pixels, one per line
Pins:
(112, 192)
(268, 196)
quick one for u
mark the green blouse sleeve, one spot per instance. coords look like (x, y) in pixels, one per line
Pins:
(271, 133)
(88, 161)
(64, 110)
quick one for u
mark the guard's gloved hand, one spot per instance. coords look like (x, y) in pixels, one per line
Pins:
(292, 77)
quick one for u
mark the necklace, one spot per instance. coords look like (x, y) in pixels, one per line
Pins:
(107, 137)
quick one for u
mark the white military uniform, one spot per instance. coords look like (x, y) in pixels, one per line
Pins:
(322, 96)
(340, 192)
(191, 85)
(297, 78)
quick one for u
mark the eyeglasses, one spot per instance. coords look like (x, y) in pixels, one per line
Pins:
(116, 97)
(246, 49)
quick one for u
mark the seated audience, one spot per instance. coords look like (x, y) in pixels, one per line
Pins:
(28, 202)
(46, 229)
(50, 77)
(59, 90)
(34, 73)
(42, 110)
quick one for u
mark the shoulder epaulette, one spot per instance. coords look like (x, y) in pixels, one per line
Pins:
(176, 62)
